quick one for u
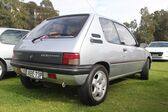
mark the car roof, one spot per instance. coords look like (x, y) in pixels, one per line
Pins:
(4, 28)
(91, 14)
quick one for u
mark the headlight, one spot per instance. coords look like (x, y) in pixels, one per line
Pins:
(166, 53)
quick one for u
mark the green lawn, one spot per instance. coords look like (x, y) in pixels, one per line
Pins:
(125, 95)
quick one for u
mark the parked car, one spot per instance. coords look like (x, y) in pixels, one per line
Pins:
(158, 50)
(86, 50)
(8, 38)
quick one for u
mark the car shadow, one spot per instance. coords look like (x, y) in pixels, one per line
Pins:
(134, 76)
(50, 92)
(9, 75)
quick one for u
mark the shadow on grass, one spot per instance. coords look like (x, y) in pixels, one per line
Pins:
(9, 75)
(50, 92)
(134, 76)
(54, 93)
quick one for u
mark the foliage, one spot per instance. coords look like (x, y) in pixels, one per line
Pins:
(147, 27)
(132, 25)
(24, 15)
(161, 25)
(152, 27)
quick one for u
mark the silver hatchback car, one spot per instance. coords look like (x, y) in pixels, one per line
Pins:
(85, 50)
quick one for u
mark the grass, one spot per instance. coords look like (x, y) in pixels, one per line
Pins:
(124, 95)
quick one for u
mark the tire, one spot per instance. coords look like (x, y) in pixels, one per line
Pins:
(94, 91)
(2, 70)
(145, 71)
(30, 83)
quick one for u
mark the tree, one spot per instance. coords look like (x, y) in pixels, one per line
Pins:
(14, 13)
(147, 26)
(47, 4)
(161, 25)
(132, 25)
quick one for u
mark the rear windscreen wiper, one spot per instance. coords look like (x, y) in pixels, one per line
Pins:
(40, 37)
(52, 35)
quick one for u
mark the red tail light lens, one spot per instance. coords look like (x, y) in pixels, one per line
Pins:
(71, 59)
(52, 76)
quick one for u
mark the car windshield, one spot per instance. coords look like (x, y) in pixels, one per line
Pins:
(159, 44)
(59, 27)
(12, 36)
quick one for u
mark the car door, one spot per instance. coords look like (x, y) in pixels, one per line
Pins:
(113, 49)
(134, 56)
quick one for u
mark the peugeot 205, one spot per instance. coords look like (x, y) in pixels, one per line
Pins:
(86, 50)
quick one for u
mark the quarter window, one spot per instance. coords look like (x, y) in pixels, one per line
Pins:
(125, 35)
(109, 30)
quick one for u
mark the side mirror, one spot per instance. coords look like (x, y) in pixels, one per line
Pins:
(143, 45)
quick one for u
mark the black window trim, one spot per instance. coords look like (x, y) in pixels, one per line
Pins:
(136, 45)
(115, 30)
(56, 17)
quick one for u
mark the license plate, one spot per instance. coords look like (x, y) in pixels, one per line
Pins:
(34, 74)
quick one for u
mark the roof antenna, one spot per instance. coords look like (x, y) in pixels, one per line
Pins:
(89, 4)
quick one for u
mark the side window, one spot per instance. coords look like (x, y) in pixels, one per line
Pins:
(109, 30)
(125, 35)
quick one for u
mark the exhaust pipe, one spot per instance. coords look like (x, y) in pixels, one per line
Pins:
(63, 85)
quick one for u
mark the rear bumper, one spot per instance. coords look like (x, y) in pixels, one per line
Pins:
(62, 69)
(69, 75)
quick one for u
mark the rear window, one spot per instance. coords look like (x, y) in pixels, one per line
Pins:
(61, 27)
(12, 36)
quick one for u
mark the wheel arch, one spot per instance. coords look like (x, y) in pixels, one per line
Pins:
(150, 61)
(3, 61)
(105, 64)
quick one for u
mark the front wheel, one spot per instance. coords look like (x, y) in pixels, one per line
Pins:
(94, 91)
(2, 70)
(145, 70)
(30, 83)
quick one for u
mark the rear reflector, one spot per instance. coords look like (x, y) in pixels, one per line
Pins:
(71, 59)
(52, 76)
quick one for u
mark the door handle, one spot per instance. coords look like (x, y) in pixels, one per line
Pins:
(124, 50)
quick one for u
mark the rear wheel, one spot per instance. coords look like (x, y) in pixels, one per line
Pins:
(145, 70)
(94, 90)
(30, 83)
(2, 70)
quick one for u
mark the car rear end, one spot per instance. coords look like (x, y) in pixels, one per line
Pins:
(51, 51)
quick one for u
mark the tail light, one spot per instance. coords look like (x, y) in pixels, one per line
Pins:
(52, 76)
(71, 59)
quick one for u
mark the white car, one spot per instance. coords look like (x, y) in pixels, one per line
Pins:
(158, 50)
(8, 39)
